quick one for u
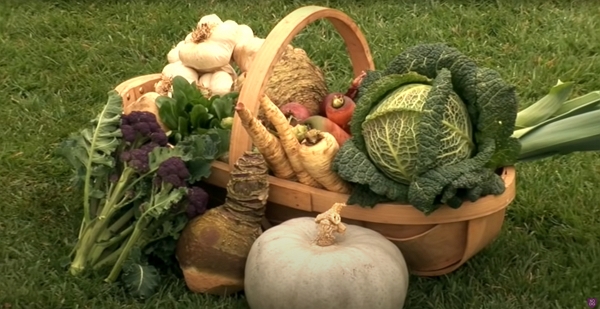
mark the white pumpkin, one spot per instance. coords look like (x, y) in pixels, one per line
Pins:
(296, 265)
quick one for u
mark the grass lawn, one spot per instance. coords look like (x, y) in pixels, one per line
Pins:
(58, 59)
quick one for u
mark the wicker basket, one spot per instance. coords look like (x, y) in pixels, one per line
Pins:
(432, 245)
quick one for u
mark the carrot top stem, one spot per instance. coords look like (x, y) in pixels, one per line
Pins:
(338, 101)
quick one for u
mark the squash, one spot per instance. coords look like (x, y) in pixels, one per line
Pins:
(295, 266)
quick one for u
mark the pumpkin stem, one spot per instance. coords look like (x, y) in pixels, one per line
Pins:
(330, 222)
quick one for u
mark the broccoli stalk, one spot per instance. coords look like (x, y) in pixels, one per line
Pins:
(164, 196)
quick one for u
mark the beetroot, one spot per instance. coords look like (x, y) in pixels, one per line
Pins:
(296, 111)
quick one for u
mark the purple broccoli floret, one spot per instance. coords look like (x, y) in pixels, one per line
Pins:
(173, 171)
(142, 128)
(159, 138)
(142, 125)
(197, 202)
(138, 159)
(128, 132)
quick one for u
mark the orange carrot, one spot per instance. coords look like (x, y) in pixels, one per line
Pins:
(267, 144)
(326, 125)
(339, 109)
(317, 152)
(288, 139)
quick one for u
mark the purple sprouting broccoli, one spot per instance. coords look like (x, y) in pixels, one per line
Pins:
(142, 133)
(173, 171)
(197, 200)
(140, 127)
(138, 159)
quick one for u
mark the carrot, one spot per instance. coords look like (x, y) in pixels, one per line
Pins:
(317, 152)
(267, 144)
(288, 139)
(326, 125)
(339, 109)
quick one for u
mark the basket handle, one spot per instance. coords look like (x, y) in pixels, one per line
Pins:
(270, 53)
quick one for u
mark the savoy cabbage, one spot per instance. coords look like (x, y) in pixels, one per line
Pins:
(492, 107)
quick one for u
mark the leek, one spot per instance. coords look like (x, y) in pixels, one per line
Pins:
(546, 107)
(572, 127)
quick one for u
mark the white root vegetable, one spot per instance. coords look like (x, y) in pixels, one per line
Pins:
(203, 29)
(225, 33)
(245, 51)
(219, 82)
(178, 69)
(229, 69)
(244, 33)
(189, 38)
(211, 19)
(164, 86)
(173, 55)
(209, 53)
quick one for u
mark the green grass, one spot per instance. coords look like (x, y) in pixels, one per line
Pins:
(58, 59)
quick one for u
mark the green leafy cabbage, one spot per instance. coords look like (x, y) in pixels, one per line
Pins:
(430, 181)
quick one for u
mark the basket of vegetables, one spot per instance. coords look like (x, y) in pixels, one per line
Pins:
(421, 151)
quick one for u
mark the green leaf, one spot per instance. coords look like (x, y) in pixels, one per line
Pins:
(160, 154)
(183, 126)
(89, 152)
(362, 195)
(199, 117)
(590, 98)
(97, 194)
(214, 123)
(467, 175)
(221, 137)
(199, 151)
(223, 107)
(163, 200)
(141, 281)
(497, 108)
(428, 131)
(199, 169)
(355, 166)
(168, 111)
(187, 94)
(577, 106)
